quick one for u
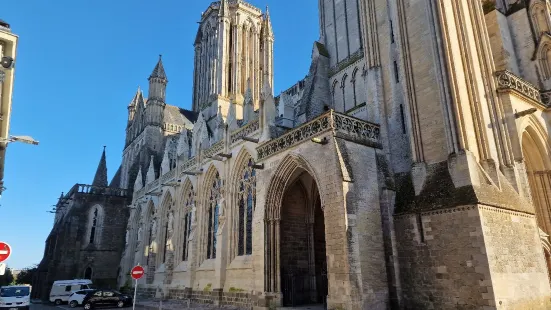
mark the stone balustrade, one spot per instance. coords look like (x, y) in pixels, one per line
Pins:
(106, 191)
(508, 81)
(341, 125)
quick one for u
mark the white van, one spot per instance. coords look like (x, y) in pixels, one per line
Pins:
(15, 297)
(61, 290)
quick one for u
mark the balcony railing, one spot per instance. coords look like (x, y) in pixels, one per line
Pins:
(344, 126)
(508, 81)
(99, 190)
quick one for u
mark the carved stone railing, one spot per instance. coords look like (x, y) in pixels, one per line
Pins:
(507, 81)
(341, 125)
(100, 190)
(214, 149)
(188, 164)
(244, 131)
(167, 176)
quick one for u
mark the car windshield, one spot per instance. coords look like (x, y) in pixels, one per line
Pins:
(14, 291)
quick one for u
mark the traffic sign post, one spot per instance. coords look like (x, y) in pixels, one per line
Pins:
(2, 269)
(5, 251)
(136, 273)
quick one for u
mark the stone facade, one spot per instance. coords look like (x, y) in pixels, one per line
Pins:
(87, 237)
(409, 169)
(8, 48)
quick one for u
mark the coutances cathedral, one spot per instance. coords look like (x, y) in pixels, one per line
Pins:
(410, 169)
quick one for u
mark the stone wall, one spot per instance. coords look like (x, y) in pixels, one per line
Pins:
(517, 267)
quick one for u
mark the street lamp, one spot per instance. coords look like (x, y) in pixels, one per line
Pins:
(23, 139)
(6, 62)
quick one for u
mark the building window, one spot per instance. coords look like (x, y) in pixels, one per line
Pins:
(188, 209)
(165, 241)
(94, 226)
(396, 72)
(212, 218)
(246, 203)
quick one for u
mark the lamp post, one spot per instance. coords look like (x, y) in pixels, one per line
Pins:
(22, 139)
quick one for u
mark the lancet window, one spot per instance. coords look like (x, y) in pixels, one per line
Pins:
(246, 205)
(95, 222)
(188, 209)
(212, 215)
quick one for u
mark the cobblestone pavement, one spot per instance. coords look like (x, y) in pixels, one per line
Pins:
(181, 304)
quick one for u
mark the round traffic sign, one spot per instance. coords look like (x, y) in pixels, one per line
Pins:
(5, 251)
(137, 272)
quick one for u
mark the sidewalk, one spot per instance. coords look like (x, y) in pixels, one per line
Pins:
(179, 304)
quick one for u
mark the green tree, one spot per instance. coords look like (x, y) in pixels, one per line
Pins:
(7, 278)
(26, 275)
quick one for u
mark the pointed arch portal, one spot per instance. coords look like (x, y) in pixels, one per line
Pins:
(537, 156)
(296, 263)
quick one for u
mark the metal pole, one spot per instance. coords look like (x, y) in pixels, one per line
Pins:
(135, 290)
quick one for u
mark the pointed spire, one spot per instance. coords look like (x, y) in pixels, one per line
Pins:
(159, 70)
(100, 179)
(267, 112)
(165, 164)
(231, 119)
(267, 24)
(138, 184)
(183, 144)
(150, 177)
(134, 101)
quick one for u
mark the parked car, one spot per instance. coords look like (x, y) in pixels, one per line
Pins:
(106, 298)
(62, 289)
(77, 297)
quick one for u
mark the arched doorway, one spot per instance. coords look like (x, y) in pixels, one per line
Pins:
(88, 273)
(536, 153)
(296, 263)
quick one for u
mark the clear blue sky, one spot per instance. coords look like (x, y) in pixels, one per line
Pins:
(78, 66)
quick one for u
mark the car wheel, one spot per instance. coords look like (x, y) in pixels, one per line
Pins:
(73, 304)
(87, 306)
(57, 302)
(120, 304)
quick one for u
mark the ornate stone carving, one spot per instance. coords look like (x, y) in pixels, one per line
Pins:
(345, 126)
(507, 81)
(245, 131)
(154, 229)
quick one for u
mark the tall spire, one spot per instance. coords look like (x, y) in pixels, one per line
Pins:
(100, 179)
(267, 25)
(159, 70)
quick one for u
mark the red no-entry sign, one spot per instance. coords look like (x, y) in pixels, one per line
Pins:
(5, 251)
(137, 272)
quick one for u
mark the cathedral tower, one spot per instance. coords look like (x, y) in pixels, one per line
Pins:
(157, 94)
(233, 52)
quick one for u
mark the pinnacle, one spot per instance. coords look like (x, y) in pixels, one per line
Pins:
(159, 70)
(100, 179)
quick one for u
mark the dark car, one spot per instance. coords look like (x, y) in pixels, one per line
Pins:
(106, 298)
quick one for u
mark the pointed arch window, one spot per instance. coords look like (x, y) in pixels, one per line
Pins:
(247, 204)
(165, 240)
(94, 226)
(188, 209)
(212, 224)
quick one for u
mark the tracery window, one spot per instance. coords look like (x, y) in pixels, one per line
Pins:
(94, 226)
(212, 224)
(247, 203)
(188, 209)
(165, 241)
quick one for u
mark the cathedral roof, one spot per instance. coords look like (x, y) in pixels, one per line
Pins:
(159, 70)
(116, 181)
(178, 116)
(100, 179)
